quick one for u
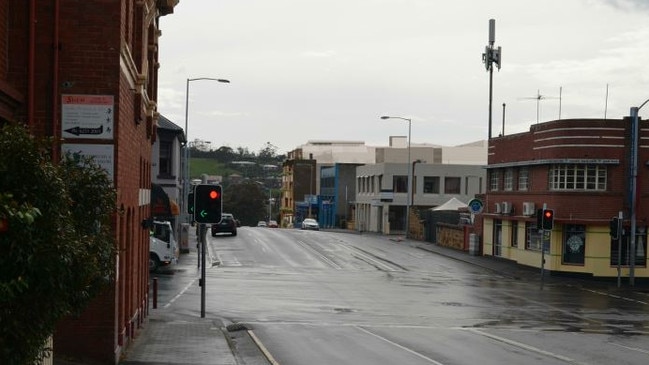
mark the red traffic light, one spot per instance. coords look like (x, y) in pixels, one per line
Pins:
(548, 214)
(214, 194)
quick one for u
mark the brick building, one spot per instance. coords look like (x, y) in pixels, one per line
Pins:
(85, 72)
(580, 169)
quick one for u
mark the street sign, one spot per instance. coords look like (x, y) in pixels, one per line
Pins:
(475, 206)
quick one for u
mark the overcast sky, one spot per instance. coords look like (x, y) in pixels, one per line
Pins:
(304, 70)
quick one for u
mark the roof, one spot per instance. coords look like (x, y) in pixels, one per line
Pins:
(166, 124)
(452, 204)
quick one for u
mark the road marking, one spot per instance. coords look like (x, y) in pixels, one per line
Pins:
(421, 356)
(523, 346)
(616, 296)
(630, 348)
(321, 256)
(181, 293)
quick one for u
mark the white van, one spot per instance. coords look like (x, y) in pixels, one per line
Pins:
(163, 249)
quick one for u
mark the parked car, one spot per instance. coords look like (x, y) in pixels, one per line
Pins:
(272, 224)
(227, 225)
(310, 223)
(261, 224)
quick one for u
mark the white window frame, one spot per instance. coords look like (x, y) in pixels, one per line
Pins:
(577, 177)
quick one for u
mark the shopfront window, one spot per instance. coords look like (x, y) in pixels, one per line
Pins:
(574, 244)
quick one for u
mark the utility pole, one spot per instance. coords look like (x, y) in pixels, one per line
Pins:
(489, 57)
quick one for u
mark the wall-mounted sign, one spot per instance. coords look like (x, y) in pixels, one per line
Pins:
(87, 116)
(102, 154)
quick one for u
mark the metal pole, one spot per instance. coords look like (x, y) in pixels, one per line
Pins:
(310, 186)
(409, 182)
(491, 88)
(203, 234)
(186, 155)
(619, 249)
(633, 188)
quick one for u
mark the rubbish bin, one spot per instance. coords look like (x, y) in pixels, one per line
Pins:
(184, 238)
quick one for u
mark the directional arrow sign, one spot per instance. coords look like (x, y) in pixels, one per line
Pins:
(77, 131)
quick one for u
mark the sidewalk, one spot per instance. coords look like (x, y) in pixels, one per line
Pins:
(168, 337)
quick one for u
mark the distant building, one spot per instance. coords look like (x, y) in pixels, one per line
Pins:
(332, 163)
(382, 192)
(166, 170)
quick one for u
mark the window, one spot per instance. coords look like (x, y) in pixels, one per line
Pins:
(509, 179)
(452, 185)
(514, 237)
(431, 184)
(574, 244)
(164, 162)
(533, 238)
(498, 237)
(494, 176)
(578, 177)
(624, 251)
(523, 178)
(400, 184)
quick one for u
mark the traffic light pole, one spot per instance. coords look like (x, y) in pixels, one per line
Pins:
(619, 249)
(543, 246)
(203, 233)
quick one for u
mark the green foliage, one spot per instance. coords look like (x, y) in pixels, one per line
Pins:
(58, 252)
(246, 201)
(209, 166)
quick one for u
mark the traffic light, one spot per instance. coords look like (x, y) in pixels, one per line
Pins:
(190, 203)
(539, 218)
(208, 204)
(615, 228)
(548, 219)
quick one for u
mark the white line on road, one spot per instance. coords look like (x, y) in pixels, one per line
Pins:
(615, 296)
(630, 348)
(181, 293)
(523, 346)
(421, 356)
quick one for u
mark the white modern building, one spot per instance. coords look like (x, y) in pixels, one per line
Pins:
(382, 191)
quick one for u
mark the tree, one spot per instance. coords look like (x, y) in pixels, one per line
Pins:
(58, 250)
(246, 201)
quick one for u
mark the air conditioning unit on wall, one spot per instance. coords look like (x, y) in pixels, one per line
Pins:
(497, 208)
(528, 208)
(505, 207)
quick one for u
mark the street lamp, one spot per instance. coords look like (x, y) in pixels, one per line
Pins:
(186, 157)
(408, 188)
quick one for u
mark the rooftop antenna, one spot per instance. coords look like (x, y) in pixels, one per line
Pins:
(538, 99)
(489, 57)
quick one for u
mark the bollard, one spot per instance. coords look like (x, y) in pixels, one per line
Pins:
(155, 293)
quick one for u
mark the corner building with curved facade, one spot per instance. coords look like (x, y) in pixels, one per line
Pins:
(579, 168)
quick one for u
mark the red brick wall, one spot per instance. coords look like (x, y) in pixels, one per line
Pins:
(87, 58)
(563, 139)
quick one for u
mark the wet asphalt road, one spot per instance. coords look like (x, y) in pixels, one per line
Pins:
(337, 298)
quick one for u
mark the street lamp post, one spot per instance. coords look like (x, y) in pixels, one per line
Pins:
(186, 154)
(633, 187)
(413, 186)
(408, 188)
